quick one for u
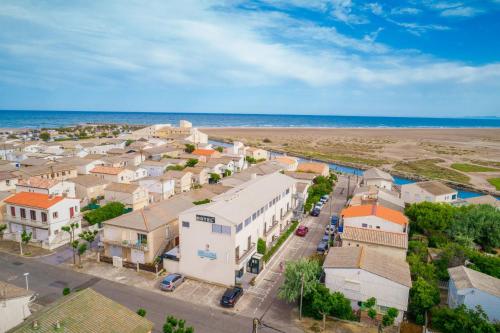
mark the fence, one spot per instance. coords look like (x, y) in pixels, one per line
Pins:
(145, 267)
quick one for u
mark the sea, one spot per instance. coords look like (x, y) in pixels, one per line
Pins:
(53, 119)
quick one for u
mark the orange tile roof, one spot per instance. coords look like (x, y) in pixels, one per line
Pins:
(106, 170)
(203, 152)
(286, 160)
(38, 182)
(35, 200)
(376, 210)
(312, 167)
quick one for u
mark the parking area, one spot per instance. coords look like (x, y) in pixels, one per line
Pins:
(198, 292)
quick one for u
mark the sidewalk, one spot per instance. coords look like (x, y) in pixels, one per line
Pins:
(29, 251)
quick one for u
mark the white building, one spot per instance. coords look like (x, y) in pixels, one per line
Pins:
(378, 178)
(113, 174)
(8, 181)
(431, 191)
(43, 215)
(218, 239)
(472, 288)
(360, 273)
(159, 188)
(374, 217)
(14, 305)
(155, 168)
(47, 186)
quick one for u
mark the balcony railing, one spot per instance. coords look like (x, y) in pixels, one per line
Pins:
(128, 243)
(246, 254)
(271, 228)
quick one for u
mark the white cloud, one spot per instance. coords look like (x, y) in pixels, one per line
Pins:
(405, 11)
(375, 8)
(343, 11)
(461, 11)
(419, 29)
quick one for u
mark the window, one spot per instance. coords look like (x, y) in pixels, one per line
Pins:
(287, 191)
(44, 217)
(247, 221)
(32, 215)
(378, 227)
(254, 216)
(221, 229)
(13, 211)
(185, 224)
(142, 238)
(364, 225)
(23, 213)
(55, 215)
(262, 210)
(239, 227)
(271, 203)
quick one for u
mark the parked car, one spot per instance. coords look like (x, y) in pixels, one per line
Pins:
(326, 238)
(171, 282)
(325, 197)
(302, 230)
(315, 212)
(231, 296)
(322, 247)
(329, 229)
(319, 205)
(334, 220)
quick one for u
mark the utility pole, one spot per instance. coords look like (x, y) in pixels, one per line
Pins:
(20, 243)
(301, 296)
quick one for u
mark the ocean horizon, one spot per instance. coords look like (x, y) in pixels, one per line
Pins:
(54, 119)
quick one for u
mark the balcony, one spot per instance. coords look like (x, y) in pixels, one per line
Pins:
(246, 254)
(128, 243)
(271, 229)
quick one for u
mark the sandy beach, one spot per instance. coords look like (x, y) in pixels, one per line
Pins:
(425, 152)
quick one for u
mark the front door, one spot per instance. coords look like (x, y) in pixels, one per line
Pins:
(71, 212)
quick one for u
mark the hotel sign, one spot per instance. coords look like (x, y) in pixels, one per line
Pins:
(207, 254)
(203, 218)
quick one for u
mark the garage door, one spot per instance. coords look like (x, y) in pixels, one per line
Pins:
(42, 234)
(115, 251)
(137, 256)
(16, 228)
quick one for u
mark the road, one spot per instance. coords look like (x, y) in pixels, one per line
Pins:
(47, 280)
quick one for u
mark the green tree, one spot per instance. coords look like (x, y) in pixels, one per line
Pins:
(70, 229)
(214, 178)
(45, 136)
(372, 313)
(191, 162)
(116, 133)
(81, 248)
(461, 320)
(219, 149)
(430, 218)
(66, 291)
(141, 312)
(227, 173)
(423, 296)
(189, 148)
(104, 213)
(3, 227)
(389, 317)
(89, 236)
(295, 271)
(26, 237)
(261, 246)
(128, 142)
(322, 301)
(370, 302)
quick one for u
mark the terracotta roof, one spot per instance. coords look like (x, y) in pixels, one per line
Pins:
(370, 260)
(373, 236)
(38, 182)
(312, 167)
(7, 175)
(85, 311)
(385, 213)
(107, 170)
(286, 160)
(121, 187)
(36, 200)
(465, 278)
(203, 152)
(301, 175)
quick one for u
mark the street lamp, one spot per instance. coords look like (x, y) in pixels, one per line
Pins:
(26, 277)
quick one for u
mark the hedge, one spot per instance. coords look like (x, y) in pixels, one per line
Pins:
(280, 241)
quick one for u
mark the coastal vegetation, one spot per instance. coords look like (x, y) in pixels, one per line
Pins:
(106, 212)
(494, 164)
(466, 167)
(428, 168)
(321, 186)
(495, 182)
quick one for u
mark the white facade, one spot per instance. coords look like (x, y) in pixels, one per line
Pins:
(104, 148)
(62, 188)
(160, 189)
(218, 239)
(154, 169)
(413, 193)
(13, 311)
(374, 222)
(358, 285)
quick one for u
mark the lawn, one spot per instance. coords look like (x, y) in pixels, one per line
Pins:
(494, 164)
(465, 167)
(495, 182)
(428, 168)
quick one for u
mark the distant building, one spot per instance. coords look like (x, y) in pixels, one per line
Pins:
(131, 195)
(183, 180)
(159, 188)
(378, 178)
(257, 153)
(8, 181)
(374, 217)
(88, 188)
(481, 200)
(472, 288)
(317, 168)
(14, 305)
(47, 186)
(290, 163)
(113, 174)
(369, 195)
(84, 311)
(431, 191)
(43, 215)
(360, 273)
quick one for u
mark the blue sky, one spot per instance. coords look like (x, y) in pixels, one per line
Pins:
(345, 57)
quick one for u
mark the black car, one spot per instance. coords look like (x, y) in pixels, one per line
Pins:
(231, 296)
(315, 212)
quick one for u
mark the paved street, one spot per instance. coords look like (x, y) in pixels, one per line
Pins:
(48, 278)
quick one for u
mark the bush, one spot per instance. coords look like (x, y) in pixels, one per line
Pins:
(141, 312)
(280, 241)
(201, 202)
(261, 246)
(66, 291)
(461, 320)
(106, 212)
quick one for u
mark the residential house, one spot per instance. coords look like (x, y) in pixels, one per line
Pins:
(431, 191)
(159, 152)
(237, 148)
(155, 168)
(369, 195)
(3, 210)
(472, 288)
(83, 165)
(257, 153)
(239, 161)
(183, 180)
(361, 273)
(47, 186)
(131, 195)
(143, 235)
(8, 181)
(159, 188)
(88, 188)
(104, 146)
(290, 163)
(139, 172)
(59, 171)
(85, 311)
(200, 174)
(393, 244)
(480, 200)
(43, 215)
(374, 217)
(206, 154)
(320, 169)
(14, 307)
(378, 178)
(218, 239)
(113, 174)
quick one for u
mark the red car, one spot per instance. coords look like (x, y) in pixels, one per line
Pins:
(301, 230)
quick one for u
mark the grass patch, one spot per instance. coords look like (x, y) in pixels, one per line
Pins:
(494, 164)
(465, 167)
(428, 168)
(340, 158)
(495, 182)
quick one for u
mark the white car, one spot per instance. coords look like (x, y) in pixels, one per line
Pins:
(319, 205)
